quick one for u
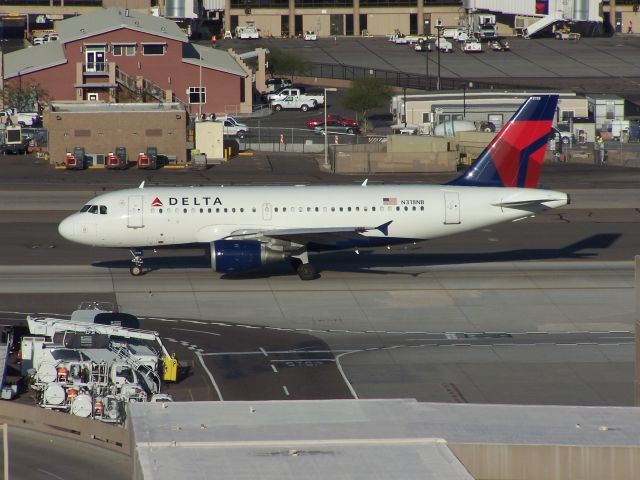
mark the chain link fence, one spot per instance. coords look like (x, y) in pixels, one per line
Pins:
(277, 139)
(401, 79)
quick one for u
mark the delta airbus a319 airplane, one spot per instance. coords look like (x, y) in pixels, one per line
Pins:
(247, 227)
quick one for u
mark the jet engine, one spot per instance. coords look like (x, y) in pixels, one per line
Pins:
(235, 256)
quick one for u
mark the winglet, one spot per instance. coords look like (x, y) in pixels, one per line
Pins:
(364, 184)
(142, 184)
(384, 228)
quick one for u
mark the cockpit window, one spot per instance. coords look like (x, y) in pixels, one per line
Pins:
(103, 209)
(93, 209)
(85, 208)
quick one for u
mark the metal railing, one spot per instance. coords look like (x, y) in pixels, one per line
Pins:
(95, 67)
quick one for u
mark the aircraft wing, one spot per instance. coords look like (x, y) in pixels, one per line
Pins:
(319, 236)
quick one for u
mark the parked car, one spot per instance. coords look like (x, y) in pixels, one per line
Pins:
(452, 33)
(461, 36)
(336, 127)
(26, 119)
(312, 100)
(422, 45)
(232, 126)
(564, 136)
(295, 102)
(274, 84)
(15, 148)
(266, 96)
(314, 122)
(472, 45)
(285, 92)
(499, 45)
(310, 36)
(444, 45)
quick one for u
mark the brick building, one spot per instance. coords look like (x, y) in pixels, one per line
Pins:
(116, 55)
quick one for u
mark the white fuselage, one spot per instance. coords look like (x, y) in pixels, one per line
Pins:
(162, 216)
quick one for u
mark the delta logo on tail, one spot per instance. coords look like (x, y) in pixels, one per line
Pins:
(524, 138)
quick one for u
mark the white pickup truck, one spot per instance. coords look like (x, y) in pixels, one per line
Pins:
(294, 102)
(312, 101)
(25, 119)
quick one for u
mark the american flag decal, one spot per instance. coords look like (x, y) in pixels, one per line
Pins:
(389, 201)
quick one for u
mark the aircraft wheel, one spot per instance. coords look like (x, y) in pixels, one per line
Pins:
(135, 270)
(306, 271)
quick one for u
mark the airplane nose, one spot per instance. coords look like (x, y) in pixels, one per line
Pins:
(65, 229)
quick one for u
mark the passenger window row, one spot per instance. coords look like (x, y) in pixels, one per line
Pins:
(397, 208)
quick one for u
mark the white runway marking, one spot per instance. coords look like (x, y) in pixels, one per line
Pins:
(286, 390)
(210, 375)
(264, 352)
(49, 474)
(344, 376)
(196, 331)
(273, 367)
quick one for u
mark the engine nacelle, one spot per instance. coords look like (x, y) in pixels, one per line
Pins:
(234, 256)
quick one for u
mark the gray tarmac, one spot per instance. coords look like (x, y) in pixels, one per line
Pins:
(591, 65)
(540, 311)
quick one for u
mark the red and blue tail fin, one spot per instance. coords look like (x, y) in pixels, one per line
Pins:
(514, 157)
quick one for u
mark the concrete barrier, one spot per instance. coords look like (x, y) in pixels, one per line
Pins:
(65, 425)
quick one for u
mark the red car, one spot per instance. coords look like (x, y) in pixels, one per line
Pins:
(314, 122)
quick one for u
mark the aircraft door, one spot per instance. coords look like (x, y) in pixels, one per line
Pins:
(451, 208)
(266, 211)
(135, 219)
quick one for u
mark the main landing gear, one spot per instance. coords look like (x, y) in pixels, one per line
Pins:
(303, 268)
(136, 262)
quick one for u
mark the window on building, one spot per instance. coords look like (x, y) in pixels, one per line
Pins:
(197, 95)
(117, 50)
(153, 48)
(567, 115)
(130, 50)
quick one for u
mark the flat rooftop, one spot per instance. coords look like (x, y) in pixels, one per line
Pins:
(353, 438)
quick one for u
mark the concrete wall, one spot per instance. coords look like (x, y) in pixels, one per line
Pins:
(383, 162)
(65, 425)
(417, 144)
(102, 132)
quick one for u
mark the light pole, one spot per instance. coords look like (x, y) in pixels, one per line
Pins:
(199, 86)
(326, 130)
(426, 55)
(404, 105)
(439, 27)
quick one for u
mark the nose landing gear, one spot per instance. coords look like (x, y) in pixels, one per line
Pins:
(136, 262)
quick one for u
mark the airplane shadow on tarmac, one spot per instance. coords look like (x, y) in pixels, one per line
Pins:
(370, 260)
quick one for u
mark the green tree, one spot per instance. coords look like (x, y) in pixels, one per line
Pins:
(364, 95)
(24, 97)
(283, 63)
